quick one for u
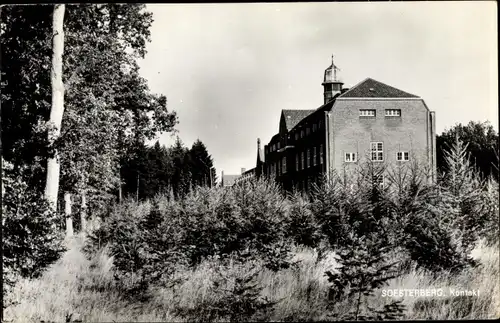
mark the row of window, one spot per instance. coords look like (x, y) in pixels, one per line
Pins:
(373, 113)
(280, 167)
(299, 134)
(377, 156)
(299, 164)
(302, 133)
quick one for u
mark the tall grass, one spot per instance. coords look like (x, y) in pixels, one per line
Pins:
(77, 288)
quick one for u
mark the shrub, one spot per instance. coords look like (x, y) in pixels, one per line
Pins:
(149, 240)
(31, 240)
(303, 227)
(364, 268)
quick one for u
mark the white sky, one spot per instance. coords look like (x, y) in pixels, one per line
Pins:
(229, 69)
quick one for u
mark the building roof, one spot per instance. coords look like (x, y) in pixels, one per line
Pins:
(370, 88)
(229, 180)
(293, 117)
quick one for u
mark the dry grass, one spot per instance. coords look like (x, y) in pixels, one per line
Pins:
(86, 290)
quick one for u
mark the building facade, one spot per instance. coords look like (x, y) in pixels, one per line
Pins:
(370, 121)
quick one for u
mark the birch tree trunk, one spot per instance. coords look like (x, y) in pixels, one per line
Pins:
(57, 109)
(67, 212)
(83, 214)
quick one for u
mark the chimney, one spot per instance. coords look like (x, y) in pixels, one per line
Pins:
(243, 170)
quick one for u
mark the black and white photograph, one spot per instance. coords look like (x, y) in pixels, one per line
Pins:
(250, 162)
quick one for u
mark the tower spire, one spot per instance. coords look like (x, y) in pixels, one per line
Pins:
(332, 85)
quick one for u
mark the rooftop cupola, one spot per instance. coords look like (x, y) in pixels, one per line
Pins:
(332, 85)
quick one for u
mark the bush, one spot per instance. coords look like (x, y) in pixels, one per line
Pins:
(150, 240)
(31, 240)
(303, 227)
(364, 268)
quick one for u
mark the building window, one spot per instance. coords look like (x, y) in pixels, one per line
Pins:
(393, 112)
(378, 180)
(284, 165)
(350, 158)
(296, 135)
(377, 149)
(321, 154)
(279, 168)
(302, 160)
(301, 133)
(403, 156)
(314, 156)
(297, 162)
(308, 131)
(278, 145)
(315, 127)
(308, 158)
(367, 113)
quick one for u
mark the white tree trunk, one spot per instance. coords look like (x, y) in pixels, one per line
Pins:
(83, 215)
(67, 212)
(57, 110)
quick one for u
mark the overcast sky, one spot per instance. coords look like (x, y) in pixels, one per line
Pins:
(229, 69)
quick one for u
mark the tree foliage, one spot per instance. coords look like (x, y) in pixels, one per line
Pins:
(108, 104)
(482, 146)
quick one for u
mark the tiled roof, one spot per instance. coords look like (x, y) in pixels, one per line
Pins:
(229, 180)
(370, 88)
(321, 109)
(292, 117)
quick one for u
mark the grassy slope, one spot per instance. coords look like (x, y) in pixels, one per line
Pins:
(85, 289)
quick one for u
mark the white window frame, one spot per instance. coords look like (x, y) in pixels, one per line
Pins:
(314, 156)
(371, 113)
(377, 151)
(350, 157)
(393, 112)
(402, 156)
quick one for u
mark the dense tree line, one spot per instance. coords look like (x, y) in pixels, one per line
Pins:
(170, 171)
(482, 147)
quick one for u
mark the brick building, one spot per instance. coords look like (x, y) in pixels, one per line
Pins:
(371, 121)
